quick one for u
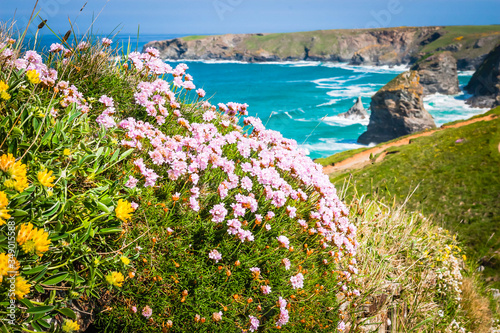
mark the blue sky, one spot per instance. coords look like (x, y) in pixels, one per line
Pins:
(242, 16)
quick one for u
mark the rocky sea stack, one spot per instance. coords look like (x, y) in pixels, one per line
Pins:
(438, 74)
(356, 112)
(485, 83)
(397, 109)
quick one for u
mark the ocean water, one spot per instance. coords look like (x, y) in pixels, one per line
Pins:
(302, 99)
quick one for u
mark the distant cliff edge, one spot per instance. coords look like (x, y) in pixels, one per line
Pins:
(386, 46)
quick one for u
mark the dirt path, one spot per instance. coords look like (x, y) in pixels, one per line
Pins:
(363, 158)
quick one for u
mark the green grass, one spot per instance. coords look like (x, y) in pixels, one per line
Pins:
(194, 37)
(330, 160)
(458, 183)
(469, 33)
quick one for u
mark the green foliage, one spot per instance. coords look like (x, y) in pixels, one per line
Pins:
(456, 179)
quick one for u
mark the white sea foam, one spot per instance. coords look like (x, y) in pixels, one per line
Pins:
(342, 122)
(445, 108)
(329, 146)
(465, 73)
(368, 69)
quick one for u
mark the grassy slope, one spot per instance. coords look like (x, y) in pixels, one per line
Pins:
(458, 183)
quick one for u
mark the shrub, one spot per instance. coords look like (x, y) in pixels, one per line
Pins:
(124, 187)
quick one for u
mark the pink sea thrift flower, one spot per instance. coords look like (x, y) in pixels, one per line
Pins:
(218, 213)
(215, 255)
(297, 281)
(131, 182)
(254, 324)
(284, 242)
(265, 290)
(106, 42)
(134, 205)
(133, 309)
(286, 263)
(217, 316)
(147, 311)
(201, 93)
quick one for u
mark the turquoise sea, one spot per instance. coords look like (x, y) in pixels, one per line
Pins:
(302, 99)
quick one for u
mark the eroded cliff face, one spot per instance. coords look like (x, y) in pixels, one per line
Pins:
(485, 83)
(438, 74)
(391, 46)
(397, 109)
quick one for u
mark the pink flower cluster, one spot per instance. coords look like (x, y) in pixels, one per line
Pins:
(297, 281)
(283, 318)
(105, 119)
(215, 255)
(33, 61)
(254, 324)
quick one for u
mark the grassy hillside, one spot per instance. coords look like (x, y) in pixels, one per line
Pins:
(455, 176)
(327, 42)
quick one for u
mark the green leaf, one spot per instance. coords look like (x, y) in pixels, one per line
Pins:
(43, 323)
(115, 156)
(18, 213)
(39, 276)
(26, 303)
(52, 210)
(68, 313)
(35, 270)
(103, 207)
(40, 289)
(106, 231)
(41, 309)
(55, 279)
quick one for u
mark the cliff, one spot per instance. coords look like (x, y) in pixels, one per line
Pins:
(485, 83)
(386, 46)
(397, 110)
(438, 74)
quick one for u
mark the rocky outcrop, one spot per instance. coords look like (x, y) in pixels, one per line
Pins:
(438, 74)
(387, 46)
(396, 110)
(485, 83)
(356, 112)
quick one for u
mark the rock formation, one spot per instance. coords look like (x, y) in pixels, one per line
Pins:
(438, 74)
(396, 110)
(356, 112)
(485, 83)
(386, 46)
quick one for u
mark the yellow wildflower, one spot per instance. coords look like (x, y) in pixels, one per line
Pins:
(4, 265)
(66, 152)
(24, 233)
(45, 178)
(115, 279)
(16, 170)
(33, 76)
(5, 95)
(22, 287)
(8, 265)
(70, 326)
(123, 210)
(125, 260)
(3, 86)
(6, 162)
(3, 200)
(37, 241)
(4, 216)
(464, 257)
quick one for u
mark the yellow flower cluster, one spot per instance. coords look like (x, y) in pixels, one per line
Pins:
(15, 171)
(22, 287)
(4, 212)
(3, 91)
(33, 239)
(33, 76)
(7, 265)
(70, 326)
(123, 210)
(45, 178)
(115, 279)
